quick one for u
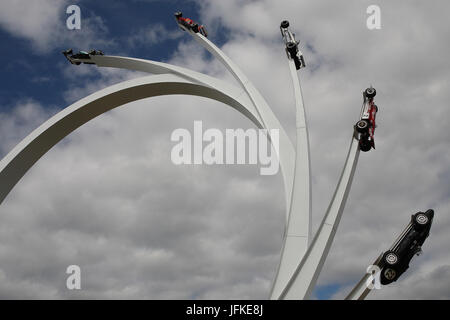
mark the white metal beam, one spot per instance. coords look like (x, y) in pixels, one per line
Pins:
(269, 120)
(19, 160)
(305, 277)
(298, 228)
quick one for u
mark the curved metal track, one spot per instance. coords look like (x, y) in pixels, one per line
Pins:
(295, 165)
(298, 189)
(19, 160)
(298, 228)
(266, 114)
(305, 277)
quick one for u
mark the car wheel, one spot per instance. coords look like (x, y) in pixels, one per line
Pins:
(195, 28)
(365, 146)
(292, 49)
(391, 258)
(178, 14)
(370, 92)
(421, 219)
(284, 24)
(362, 126)
(390, 274)
(297, 63)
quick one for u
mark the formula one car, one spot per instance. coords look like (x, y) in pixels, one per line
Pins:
(366, 125)
(187, 24)
(396, 260)
(292, 50)
(82, 56)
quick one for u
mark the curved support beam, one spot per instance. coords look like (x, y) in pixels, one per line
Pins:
(260, 110)
(154, 67)
(268, 118)
(305, 277)
(17, 162)
(298, 229)
(298, 188)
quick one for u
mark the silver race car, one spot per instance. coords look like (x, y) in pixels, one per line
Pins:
(292, 50)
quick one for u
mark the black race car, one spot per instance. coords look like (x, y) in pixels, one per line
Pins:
(82, 56)
(396, 260)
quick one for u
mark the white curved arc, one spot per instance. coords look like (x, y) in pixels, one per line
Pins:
(155, 67)
(305, 277)
(269, 120)
(19, 160)
(298, 229)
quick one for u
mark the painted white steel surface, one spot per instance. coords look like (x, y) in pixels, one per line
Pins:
(298, 228)
(19, 160)
(268, 118)
(305, 277)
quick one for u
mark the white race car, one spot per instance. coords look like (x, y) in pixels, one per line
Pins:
(292, 50)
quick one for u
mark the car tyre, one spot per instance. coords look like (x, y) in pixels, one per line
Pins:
(370, 92)
(362, 126)
(298, 64)
(284, 24)
(365, 146)
(391, 258)
(292, 49)
(389, 274)
(421, 219)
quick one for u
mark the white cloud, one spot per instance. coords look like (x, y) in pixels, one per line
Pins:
(24, 117)
(153, 34)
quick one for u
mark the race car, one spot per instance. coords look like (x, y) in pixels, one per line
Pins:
(81, 57)
(396, 260)
(292, 50)
(96, 53)
(187, 24)
(366, 125)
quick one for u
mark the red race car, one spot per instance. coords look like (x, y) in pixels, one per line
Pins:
(189, 24)
(366, 126)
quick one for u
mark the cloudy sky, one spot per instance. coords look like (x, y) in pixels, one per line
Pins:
(108, 198)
